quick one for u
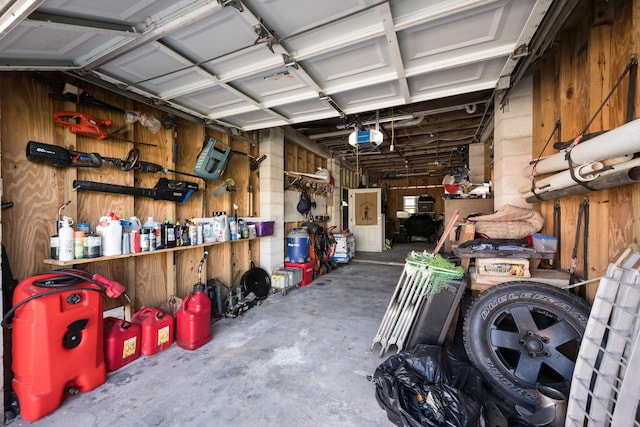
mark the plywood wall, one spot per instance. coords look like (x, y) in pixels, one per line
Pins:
(300, 159)
(571, 84)
(396, 189)
(38, 189)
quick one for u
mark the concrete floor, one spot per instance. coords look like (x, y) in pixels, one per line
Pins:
(301, 359)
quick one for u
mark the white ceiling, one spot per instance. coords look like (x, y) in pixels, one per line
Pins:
(261, 63)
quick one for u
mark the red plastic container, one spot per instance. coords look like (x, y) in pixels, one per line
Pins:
(157, 330)
(307, 271)
(194, 321)
(121, 342)
(57, 345)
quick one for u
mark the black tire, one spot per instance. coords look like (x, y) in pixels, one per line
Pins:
(523, 334)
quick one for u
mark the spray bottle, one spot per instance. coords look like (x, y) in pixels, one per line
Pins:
(194, 316)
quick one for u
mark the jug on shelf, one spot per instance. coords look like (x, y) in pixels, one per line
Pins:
(110, 229)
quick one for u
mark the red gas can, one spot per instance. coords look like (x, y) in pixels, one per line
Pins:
(157, 329)
(57, 343)
(194, 321)
(121, 342)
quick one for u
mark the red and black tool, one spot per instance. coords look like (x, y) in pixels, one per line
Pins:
(88, 125)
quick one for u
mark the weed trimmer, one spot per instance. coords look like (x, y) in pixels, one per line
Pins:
(193, 319)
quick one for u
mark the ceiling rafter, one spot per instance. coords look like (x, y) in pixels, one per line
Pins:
(396, 54)
(180, 18)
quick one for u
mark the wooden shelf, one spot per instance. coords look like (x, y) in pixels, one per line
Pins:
(137, 254)
(466, 254)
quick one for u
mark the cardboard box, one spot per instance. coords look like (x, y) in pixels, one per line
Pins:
(503, 267)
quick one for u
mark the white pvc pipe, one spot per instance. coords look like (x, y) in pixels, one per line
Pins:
(584, 173)
(622, 140)
(560, 179)
(580, 171)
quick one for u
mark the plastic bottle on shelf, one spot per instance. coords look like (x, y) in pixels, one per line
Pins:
(177, 233)
(193, 233)
(233, 229)
(168, 233)
(66, 241)
(133, 233)
(150, 225)
(157, 228)
(110, 230)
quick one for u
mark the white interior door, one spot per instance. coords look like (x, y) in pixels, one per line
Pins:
(366, 221)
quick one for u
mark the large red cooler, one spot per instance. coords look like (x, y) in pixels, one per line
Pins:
(121, 342)
(307, 271)
(57, 343)
(157, 329)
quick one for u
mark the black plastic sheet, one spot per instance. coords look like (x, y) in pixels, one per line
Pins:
(428, 386)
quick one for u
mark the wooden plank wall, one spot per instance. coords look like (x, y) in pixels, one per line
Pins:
(38, 189)
(299, 159)
(412, 186)
(588, 59)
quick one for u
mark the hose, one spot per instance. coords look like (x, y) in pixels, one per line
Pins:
(57, 286)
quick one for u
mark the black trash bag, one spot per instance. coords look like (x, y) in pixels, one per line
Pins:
(428, 386)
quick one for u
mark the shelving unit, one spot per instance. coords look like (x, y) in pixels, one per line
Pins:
(79, 261)
(171, 285)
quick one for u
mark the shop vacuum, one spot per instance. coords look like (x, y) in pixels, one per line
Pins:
(193, 319)
(57, 333)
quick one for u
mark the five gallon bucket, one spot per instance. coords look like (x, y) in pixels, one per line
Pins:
(298, 245)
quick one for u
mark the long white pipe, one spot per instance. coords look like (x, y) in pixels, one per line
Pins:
(561, 181)
(622, 140)
(585, 172)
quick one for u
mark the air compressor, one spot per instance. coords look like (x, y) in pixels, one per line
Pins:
(57, 334)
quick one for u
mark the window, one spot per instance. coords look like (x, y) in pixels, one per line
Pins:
(409, 204)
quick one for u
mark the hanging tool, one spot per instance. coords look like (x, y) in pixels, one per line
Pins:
(87, 125)
(250, 194)
(212, 160)
(61, 157)
(84, 124)
(254, 162)
(165, 189)
(227, 186)
(583, 212)
(557, 230)
(72, 93)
